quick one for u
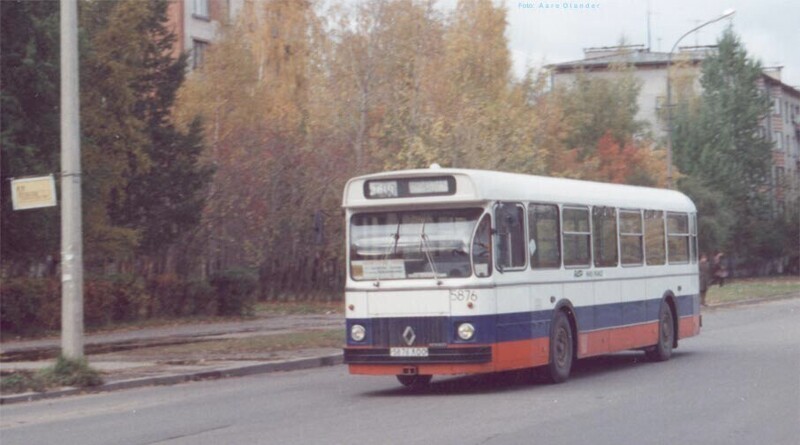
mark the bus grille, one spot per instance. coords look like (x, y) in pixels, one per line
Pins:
(427, 330)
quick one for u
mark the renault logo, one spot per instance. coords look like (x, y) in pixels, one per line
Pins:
(409, 336)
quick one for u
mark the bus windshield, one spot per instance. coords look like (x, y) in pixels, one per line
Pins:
(412, 244)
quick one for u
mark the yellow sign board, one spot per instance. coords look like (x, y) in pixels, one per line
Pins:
(33, 193)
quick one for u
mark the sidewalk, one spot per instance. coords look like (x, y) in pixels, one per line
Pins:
(114, 353)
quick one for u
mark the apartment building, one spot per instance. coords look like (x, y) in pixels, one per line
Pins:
(650, 69)
(196, 24)
(783, 127)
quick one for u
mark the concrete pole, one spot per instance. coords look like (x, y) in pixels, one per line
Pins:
(71, 230)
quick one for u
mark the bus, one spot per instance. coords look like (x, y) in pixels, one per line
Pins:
(455, 271)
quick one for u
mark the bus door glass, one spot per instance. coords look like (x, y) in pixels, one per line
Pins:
(510, 249)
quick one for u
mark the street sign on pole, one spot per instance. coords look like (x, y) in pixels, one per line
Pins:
(33, 193)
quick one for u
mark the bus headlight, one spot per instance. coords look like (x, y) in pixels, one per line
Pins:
(466, 331)
(357, 332)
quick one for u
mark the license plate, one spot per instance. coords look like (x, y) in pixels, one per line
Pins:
(408, 352)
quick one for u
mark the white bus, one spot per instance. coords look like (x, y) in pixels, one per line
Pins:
(455, 271)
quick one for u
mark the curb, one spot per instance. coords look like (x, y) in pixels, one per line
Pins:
(752, 301)
(173, 379)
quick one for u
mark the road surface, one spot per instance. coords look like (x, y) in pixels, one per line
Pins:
(737, 383)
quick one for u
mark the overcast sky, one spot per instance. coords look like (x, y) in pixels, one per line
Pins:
(770, 29)
(537, 35)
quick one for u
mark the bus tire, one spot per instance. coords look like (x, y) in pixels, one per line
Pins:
(662, 351)
(415, 381)
(561, 349)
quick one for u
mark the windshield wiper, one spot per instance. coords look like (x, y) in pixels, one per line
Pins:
(396, 237)
(427, 253)
(391, 250)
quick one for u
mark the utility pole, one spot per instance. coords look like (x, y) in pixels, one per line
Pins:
(71, 230)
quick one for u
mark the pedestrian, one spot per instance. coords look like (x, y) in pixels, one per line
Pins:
(705, 277)
(718, 270)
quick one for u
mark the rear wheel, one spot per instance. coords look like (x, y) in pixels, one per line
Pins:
(666, 335)
(415, 381)
(561, 349)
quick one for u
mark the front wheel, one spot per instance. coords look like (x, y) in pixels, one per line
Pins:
(561, 349)
(662, 351)
(415, 381)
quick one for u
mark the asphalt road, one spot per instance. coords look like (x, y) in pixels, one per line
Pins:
(738, 383)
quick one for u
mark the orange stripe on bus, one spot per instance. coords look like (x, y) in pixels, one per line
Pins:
(531, 353)
(689, 326)
(617, 339)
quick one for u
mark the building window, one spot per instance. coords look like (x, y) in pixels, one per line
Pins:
(200, 8)
(776, 106)
(786, 112)
(778, 140)
(199, 48)
(779, 171)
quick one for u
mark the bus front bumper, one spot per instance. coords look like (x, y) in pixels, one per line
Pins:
(384, 356)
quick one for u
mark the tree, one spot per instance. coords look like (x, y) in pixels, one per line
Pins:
(113, 136)
(253, 96)
(477, 66)
(29, 128)
(596, 107)
(719, 144)
(163, 199)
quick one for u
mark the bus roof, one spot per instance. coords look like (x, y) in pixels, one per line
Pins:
(481, 186)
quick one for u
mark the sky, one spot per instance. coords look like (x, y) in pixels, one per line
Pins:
(769, 29)
(539, 35)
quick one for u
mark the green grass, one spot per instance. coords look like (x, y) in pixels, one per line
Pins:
(250, 347)
(21, 381)
(299, 308)
(753, 289)
(64, 372)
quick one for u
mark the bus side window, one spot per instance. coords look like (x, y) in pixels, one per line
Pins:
(511, 236)
(544, 246)
(604, 226)
(577, 237)
(630, 237)
(678, 238)
(693, 241)
(654, 239)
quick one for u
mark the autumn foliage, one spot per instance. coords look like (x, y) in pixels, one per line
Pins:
(294, 98)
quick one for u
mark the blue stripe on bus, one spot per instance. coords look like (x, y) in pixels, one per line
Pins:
(494, 328)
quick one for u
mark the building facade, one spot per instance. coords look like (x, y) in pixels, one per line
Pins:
(650, 69)
(197, 24)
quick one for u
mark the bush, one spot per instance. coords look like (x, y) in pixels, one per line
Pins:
(235, 291)
(169, 296)
(201, 298)
(173, 297)
(116, 298)
(29, 306)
